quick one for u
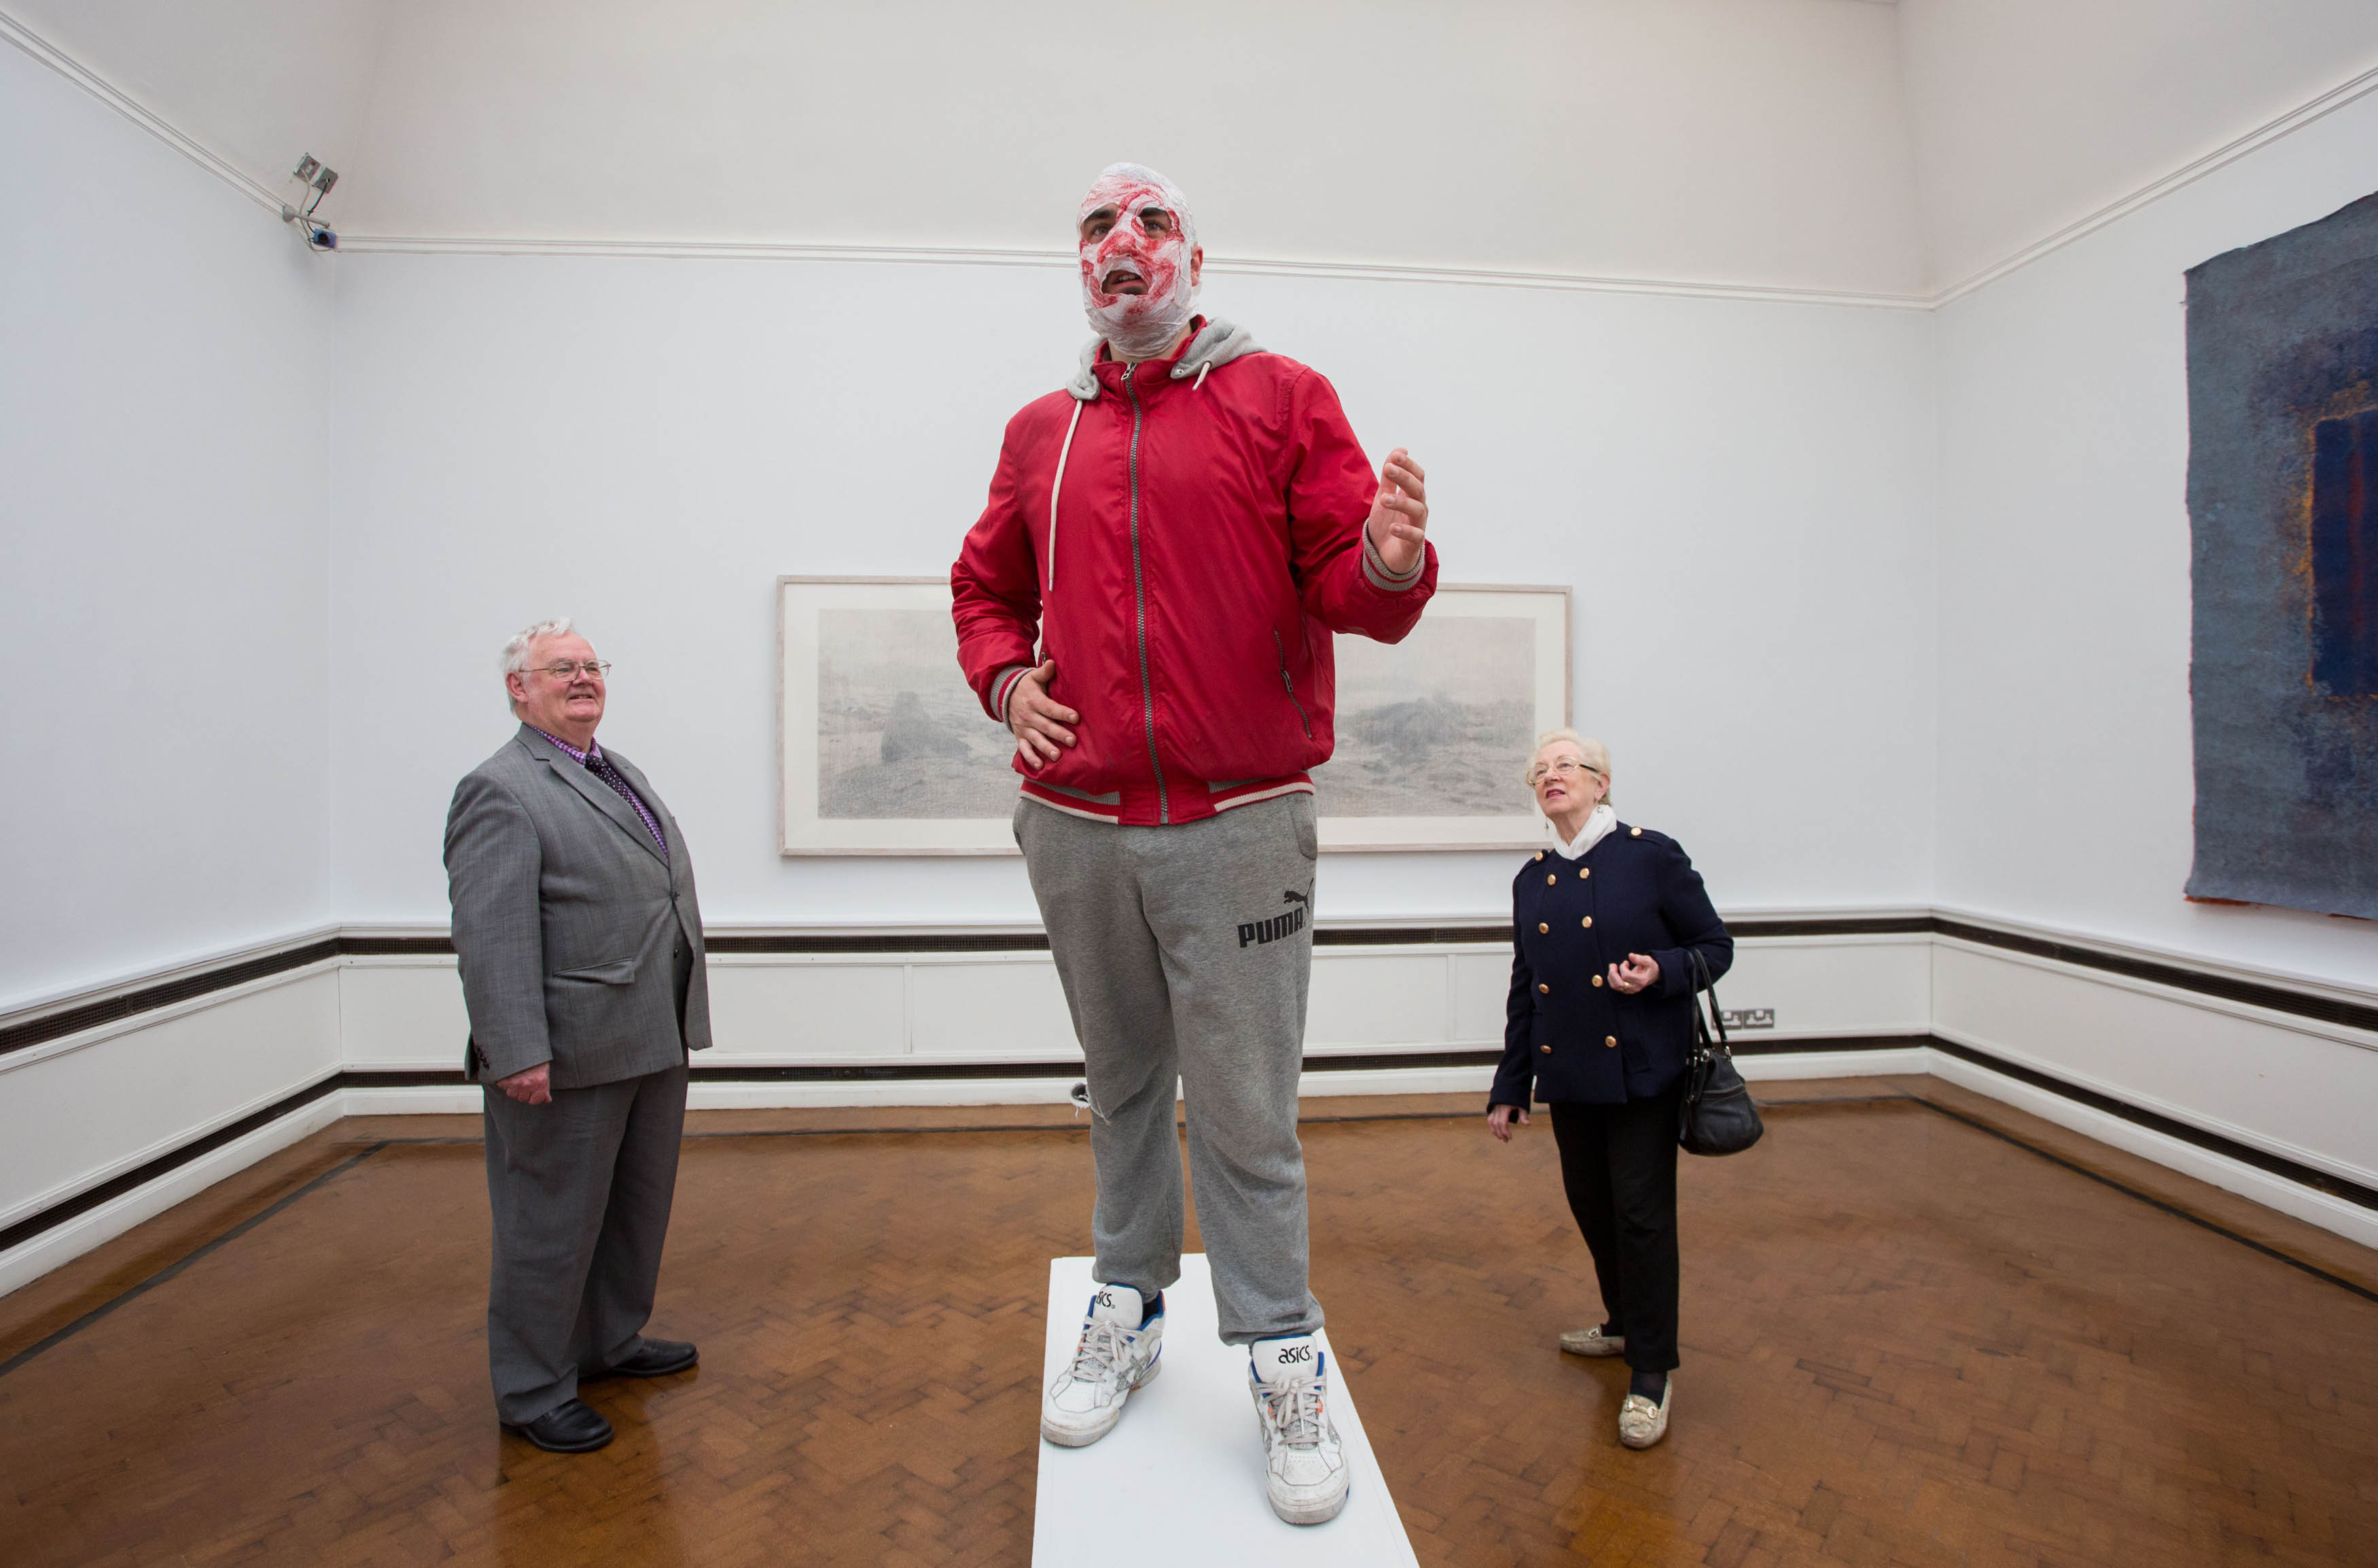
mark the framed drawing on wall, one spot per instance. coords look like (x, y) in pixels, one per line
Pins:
(884, 750)
(1433, 731)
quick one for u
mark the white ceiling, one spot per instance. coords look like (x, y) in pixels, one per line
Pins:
(1816, 144)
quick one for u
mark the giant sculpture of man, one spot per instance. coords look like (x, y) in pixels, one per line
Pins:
(1147, 602)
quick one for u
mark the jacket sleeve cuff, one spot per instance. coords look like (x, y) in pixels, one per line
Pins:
(1002, 688)
(1375, 569)
(504, 1061)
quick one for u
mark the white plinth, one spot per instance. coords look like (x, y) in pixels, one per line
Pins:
(1181, 1479)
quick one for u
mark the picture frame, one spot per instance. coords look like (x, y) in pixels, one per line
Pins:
(884, 750)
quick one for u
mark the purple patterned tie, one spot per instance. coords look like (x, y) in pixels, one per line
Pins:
(594, 762)
(600, 766)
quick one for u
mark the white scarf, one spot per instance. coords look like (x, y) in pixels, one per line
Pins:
(1599, 824)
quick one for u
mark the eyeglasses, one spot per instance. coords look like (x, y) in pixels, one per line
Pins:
(568, 668)
(1567, 768)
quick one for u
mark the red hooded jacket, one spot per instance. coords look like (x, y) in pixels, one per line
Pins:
(1206, 540)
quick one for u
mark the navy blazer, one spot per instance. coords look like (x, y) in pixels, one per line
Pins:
(1568, 1034)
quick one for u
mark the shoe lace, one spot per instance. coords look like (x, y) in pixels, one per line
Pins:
(1294, 1411)
(1100, 1355)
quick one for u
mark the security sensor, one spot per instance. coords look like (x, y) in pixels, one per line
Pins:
(317, 177)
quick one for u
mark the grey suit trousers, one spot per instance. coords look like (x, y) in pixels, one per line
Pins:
(581, 1192)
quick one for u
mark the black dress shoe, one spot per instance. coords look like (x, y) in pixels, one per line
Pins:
(651, 1358)
(569, 1428)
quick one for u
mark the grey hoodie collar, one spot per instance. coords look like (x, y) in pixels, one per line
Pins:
(1217, 345)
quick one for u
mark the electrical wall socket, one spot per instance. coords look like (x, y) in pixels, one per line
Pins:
(1749, 1017)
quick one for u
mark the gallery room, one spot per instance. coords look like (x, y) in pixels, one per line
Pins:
(1614, 761)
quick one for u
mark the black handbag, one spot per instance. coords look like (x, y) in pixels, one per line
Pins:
(1717, 1116)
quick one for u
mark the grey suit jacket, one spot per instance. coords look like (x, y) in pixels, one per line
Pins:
(565, 920)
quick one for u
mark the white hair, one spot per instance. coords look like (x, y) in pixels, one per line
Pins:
(516, 651)
(1592, 753)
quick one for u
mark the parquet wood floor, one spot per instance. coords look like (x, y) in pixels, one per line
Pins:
(1907, 1340)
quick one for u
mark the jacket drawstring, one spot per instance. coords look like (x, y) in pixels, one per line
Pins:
(1059, 484)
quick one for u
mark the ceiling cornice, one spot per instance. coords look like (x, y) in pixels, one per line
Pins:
(14, 30)
(2347, 91)
(140, 113)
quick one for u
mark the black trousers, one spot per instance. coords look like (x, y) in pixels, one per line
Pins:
(1618, 1164)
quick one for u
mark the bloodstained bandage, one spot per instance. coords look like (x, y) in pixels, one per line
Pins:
(1139, 325)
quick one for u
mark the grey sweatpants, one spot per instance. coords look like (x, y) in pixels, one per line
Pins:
(1186, 953)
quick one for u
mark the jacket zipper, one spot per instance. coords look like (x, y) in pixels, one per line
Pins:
(1288, 685)
(1139, 593)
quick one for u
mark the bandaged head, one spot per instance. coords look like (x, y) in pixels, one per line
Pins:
(1138, 275)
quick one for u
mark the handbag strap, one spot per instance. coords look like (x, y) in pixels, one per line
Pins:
(1701, 982)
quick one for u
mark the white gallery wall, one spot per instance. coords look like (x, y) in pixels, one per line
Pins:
(165, 470)
(2065, 788)
(165, 366)
(1734, 489)
(1763, 325)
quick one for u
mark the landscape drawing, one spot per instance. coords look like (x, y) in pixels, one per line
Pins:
(885, 751)
(1435, 726)
(899, 734)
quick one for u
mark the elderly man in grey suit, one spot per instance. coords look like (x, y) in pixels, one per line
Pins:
(581, 957)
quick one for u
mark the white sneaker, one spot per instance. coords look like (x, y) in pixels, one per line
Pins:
(1303, 1461)
(1117, 1354)
(1640, 1422)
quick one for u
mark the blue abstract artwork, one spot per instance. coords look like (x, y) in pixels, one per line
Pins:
(2282, 509)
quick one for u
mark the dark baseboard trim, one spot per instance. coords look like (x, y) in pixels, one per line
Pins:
(140, 1175)
(73, 1019)
(76, 1018)
(2212, 1142)
(2254, 993)
(1742, 1045)
(1751, 927)
(2306, 1175)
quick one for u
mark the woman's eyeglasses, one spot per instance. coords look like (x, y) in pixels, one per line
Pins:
(1567, 768)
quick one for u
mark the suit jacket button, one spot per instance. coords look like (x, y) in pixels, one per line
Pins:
(1611, 1040)
(1546, 1050)
(1540, 927)
(1585, 871)
(1634, 833)
(1549, 879)
(1543, 988)
(1540, 854)
(1597, 979)
(1589, 922)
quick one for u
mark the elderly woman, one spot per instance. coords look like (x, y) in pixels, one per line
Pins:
(1604, 924)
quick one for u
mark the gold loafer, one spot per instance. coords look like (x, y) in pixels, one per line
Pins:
(1593, 1342)
(1642, 1423)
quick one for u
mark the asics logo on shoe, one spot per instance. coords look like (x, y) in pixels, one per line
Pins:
(1106, 1298)
(1297, 1353)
